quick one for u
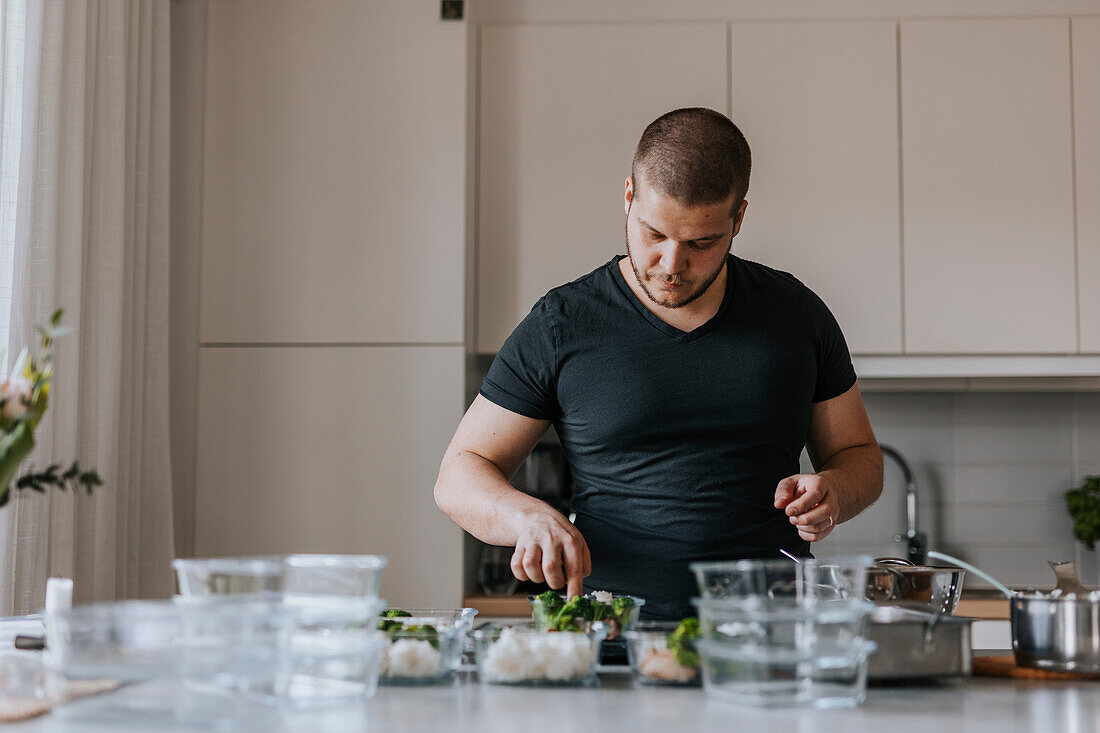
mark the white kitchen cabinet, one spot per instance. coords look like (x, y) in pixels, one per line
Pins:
(988, 245)
(818, 105)
(319, 449)
(334, 169)
(1086, 99)
(561, 110)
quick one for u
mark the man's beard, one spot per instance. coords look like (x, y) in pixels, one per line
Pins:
(694, 295)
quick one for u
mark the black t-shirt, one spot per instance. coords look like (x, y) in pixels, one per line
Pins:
(676, 440)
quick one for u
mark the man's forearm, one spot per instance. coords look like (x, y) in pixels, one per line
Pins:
(473, 492)
(856, 475)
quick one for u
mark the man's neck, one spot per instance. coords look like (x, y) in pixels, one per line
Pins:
(685, 318)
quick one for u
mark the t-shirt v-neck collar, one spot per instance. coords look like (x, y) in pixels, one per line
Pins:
(667, 329)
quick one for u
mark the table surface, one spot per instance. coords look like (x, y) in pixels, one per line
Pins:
(617, 703)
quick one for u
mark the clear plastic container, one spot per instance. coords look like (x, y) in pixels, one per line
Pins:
(293, 651)
(654, 663)
(350, 575)
(783, 581)
(22, 675)
(615, 625)
(229, 575)
(331, 652)
(127, 641)
(759, 654)
(342, 575)
(416, 655)
(95, 648)
(522, 655)
(229, 641)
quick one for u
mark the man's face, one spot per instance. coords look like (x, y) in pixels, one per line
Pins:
(677, 251)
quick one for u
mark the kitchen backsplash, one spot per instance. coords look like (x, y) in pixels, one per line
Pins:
(992, 470)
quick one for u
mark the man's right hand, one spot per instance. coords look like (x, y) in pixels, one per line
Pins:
(549, 549)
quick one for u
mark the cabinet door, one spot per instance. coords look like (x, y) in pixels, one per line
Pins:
(335, 141)
(562, 108)
(988, 250)
(318, 449)
(1086, 103)
(818, 105)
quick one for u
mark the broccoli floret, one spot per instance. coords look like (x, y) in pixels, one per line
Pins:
(395, 613)
(389, 625)
(682, 642)
(621, 608)
(580, 607)
(425, 632)
(551, 601)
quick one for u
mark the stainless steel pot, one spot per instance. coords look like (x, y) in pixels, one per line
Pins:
(925, 588)
(1056, 632)
(1057, 629)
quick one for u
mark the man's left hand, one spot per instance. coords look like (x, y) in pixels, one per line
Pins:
(810, 504)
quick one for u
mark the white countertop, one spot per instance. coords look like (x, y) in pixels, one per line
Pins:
(617, 704)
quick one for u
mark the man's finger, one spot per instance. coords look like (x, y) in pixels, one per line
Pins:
(820, 514)
(574, 565)
(517, 565)
(551, 566)
(784, 492)
(815, 536)
(811, 497)
(532, 564)
(815, 528)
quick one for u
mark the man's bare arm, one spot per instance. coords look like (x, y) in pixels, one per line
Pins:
(473, 489)
(848, 461)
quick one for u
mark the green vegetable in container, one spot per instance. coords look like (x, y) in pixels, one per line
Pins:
(551, 602)
(682, 642)
(1084, 507)
(395, 613)
(621, 608)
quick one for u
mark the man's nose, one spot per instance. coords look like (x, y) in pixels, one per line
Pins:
(674, 258)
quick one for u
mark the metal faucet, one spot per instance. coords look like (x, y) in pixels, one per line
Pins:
(916, 542)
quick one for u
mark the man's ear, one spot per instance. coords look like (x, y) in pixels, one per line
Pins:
(629, 196)
(740, 216)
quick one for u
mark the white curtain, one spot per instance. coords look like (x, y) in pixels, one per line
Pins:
(91, 236)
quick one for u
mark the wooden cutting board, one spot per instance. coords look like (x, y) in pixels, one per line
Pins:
(1005, 666)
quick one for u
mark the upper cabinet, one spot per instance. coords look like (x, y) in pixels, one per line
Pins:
(1086, 85)
(561, 109)
(987, 181)
(818, 104)
(333, 201)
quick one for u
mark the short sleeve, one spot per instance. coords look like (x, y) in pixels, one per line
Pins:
(523, 376)
(835, 373)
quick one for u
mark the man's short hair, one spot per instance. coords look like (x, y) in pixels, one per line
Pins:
(695, 155)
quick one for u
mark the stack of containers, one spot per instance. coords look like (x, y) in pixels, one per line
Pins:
(781, 633)
(295, 631)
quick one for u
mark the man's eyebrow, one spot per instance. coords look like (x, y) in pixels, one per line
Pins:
(652, 228)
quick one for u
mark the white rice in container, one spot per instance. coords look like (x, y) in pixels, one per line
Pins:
(554, 656)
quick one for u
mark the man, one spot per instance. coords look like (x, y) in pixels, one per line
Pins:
(683, 383)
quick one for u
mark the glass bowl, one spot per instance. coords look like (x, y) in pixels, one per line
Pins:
(129, 641)
(782, 581)
(305, 574)
(293, 652)
(543, 619)
(654, 663)
(229, 575)
(769, 656)
(425, 647)
(523, 655)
